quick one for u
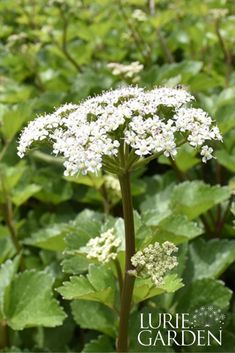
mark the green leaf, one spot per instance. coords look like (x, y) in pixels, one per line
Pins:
(100, 344)
(226, 159)
(29, 302)
(99, 285)
(75, 234)
(14, 119)
(209, 259)
(53, 188)
(86, 225)
(195, 197)
(50, 238)
(155, 208)
(7, 272)
(225, 117)
(144, 288)
(177, 229)
(7, 248)
(12, 175)
(20, 196)
(88, 180)
(202, 292)
(94, 316)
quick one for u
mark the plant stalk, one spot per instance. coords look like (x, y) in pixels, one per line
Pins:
(128, 284)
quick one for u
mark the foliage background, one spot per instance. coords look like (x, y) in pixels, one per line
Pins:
(56, 52)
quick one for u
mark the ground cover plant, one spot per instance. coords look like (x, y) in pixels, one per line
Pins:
(132, 214)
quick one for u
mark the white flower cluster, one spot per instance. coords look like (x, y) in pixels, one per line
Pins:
(150, 122)
(127, 71)
(155, 261)
(139, 15)
(103, 248)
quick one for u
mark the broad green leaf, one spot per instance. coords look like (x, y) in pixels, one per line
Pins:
(209, 259)
(21, 195)
(29, 302)
(177, 229)
(7, 272)
(89, 180)
(12, 175)
(7, 248)
(99, 285)
(53, 188)
(94, 316)
(75, 264)
(157, 207)
(226, 159)
(202, 292)
(87, 224)
(144, 288)
(74, 234)
(100, 344)
(14, 119)
(225, 117)
(195, 197)
(50, 238)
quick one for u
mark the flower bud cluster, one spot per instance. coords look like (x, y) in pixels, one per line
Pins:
(150, 122)
(103, 248)
(155, 261)
(127, 71)
(112, 184)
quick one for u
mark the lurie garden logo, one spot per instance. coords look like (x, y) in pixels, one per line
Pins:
(202, 327)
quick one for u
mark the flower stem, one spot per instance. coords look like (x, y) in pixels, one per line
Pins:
(128, 284)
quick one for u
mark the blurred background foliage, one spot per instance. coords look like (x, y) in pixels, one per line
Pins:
(58, 51)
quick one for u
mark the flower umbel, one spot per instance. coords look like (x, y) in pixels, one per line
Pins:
(127, 121)
(155, 261)
(103, 248)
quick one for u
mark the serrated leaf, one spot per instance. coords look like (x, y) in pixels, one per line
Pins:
(195, 197)
(144, 288)
(202, 292)
(50, 238)
(29, 302)
(87, 224)
(209, 259)
(177, 229)
(100, 344)
(99, 285)
(94, 316)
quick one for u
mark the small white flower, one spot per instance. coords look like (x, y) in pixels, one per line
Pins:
(206, 152)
